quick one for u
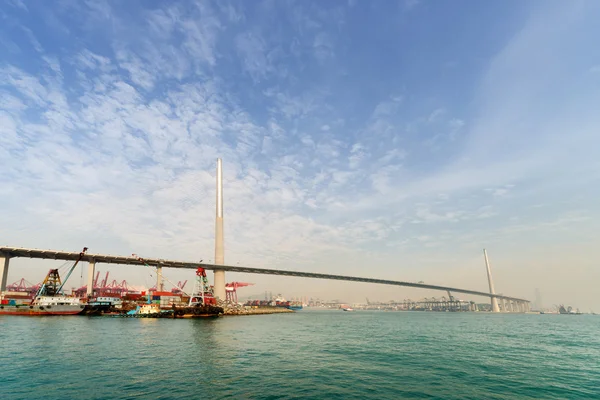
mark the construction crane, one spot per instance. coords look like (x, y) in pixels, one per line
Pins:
(203, 293)
(179, 288)
(52, 284)
(231, 290)
(81, 254)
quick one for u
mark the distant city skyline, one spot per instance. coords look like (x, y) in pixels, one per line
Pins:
(383, 139)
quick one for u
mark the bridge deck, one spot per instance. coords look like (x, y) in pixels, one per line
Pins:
(110, 259)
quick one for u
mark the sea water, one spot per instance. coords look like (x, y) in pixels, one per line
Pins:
(313, 354)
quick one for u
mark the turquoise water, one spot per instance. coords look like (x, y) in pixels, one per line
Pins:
(310, 354)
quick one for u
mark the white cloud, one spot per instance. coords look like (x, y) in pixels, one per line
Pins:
(138, 72)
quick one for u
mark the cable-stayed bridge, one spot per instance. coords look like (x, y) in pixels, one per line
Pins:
(6, 253)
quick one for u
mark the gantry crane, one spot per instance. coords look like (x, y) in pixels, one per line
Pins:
(231, 290)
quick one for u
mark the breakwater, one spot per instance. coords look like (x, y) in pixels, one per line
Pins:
(228, 311)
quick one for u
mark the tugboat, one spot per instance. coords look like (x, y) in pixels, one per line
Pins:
(148, 310)
(202, 303)
(49, 299)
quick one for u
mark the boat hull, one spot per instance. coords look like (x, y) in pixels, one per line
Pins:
(40, 310)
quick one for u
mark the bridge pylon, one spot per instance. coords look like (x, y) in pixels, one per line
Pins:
(495, 307)
(219, 237)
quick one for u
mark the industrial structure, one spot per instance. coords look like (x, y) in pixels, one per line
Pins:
(219, 236)
(495, 307)
(512, 303)
(231, 290)
(509, 303)
(104, 288)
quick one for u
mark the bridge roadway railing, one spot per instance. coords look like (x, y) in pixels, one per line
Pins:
(11, 252)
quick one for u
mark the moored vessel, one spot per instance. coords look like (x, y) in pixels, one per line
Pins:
(202, 303)
(290, 305)
(48, 300)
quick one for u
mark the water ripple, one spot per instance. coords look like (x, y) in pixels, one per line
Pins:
(311, 354)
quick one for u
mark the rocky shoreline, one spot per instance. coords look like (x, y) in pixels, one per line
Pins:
(243, 310)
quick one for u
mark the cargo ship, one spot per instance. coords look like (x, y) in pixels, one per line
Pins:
(290, 305)
(48, 300)
(568, 311)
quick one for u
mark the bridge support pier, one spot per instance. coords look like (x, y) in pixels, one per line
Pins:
(4, 261)
(159, 279)
(219, 237)
(90, 279)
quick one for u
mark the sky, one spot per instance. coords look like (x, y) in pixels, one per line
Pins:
(388, 139)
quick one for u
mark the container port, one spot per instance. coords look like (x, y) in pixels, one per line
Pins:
(119, 299)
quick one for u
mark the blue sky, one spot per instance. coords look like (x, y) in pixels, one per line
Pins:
(389, 139)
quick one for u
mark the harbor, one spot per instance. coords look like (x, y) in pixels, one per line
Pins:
(289, 200)
(204, 300)
(49, 299)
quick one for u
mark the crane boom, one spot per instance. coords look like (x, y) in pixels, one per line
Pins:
(71, 270)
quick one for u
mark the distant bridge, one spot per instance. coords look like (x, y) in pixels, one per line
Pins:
(11, 252)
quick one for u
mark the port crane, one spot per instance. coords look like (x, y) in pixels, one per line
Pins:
(23, 286)
(203, 292)
(231, 290)
(52, 284)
